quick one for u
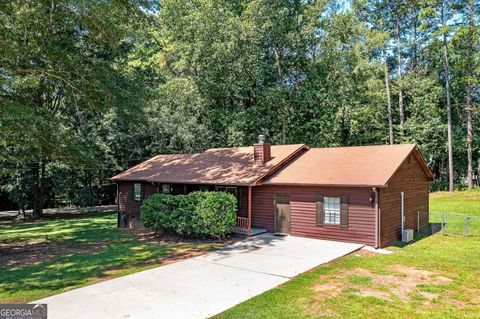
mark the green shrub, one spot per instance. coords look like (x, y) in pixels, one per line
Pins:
(158, 212)
(209, 214)
(216, 215)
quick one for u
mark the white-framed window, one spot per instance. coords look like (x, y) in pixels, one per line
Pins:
(166, 188)
(331, 208)
(137, 191)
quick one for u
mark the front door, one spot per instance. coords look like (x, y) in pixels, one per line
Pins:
(282, 213)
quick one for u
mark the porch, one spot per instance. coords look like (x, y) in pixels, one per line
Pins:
(243, 228)
(243, 194)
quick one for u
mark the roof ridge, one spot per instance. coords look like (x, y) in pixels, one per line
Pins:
(365, 146)
(372, 165)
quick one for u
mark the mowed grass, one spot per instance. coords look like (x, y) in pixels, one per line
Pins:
(434, 277)
(92, 249)
(466, 202)
(454, 208)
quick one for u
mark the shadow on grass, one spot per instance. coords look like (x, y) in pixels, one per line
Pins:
(118, 250)
(424, 233)
(70, 229)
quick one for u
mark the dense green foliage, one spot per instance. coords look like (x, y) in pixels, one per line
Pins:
(216, 214)
(89, 88)
(210, 214)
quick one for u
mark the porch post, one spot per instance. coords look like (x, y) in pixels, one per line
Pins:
(249, 210)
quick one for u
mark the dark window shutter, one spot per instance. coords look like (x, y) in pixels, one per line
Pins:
(344, 211)
(319, 216)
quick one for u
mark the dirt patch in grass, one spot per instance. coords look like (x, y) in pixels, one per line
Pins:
(147, 236)
(24, 253)
(402, 281)
(364, 252)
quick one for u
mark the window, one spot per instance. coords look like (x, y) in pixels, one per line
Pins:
(137, 191)
(230, 190)
(166, 188)
(331, 207)
(203, 188)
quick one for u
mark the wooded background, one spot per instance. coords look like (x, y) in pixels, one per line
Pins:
(89, 88)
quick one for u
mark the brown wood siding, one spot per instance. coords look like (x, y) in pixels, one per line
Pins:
(127, 204)
(361, 213)
(125, 199)
(411, 179)
(149, 189)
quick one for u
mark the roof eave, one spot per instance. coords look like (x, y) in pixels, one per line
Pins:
(136, 180)
(326, 185)
(421, 160)
(279, 166)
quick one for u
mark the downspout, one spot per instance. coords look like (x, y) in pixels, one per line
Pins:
(377, 245)
(118, 207)
(402, 198)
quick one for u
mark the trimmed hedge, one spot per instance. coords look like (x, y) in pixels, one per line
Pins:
(209, 214)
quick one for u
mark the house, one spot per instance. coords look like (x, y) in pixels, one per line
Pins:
(353, 194)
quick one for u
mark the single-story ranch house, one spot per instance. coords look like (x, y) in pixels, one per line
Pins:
(353, 194)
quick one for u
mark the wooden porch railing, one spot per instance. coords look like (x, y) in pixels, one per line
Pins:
(242, 223)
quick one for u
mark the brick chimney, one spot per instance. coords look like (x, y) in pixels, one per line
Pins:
(261, 150)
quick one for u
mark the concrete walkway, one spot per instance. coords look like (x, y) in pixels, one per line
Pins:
(199, 287)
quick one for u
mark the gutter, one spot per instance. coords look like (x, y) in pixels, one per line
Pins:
(377, 235)
(118, 206)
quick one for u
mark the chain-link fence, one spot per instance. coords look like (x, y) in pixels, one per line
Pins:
(450, 224)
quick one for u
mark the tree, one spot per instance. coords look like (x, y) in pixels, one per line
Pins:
(389, 100)
(469, 31)
(438, 18)
(57, 73)
(399, 12)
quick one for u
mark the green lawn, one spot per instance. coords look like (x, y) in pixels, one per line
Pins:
(434, 277)
(69, 253)
(466, 202)
(454, 208)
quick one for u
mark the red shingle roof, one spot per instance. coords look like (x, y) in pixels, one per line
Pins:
(337, 166)
(220, 166)
(347, 166)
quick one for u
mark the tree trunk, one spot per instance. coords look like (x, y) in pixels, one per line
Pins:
(280, 82)
(415, 45)
(36, 200)
(389, 101)
(470, 74)
(21, 213)
(278, 65)
(399, 76)
(449, 107)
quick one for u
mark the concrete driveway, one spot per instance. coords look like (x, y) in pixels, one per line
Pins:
(202, 286)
